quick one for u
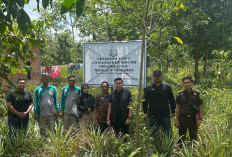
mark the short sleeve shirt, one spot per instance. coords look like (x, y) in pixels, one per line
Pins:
(19, 100)
(101, 106)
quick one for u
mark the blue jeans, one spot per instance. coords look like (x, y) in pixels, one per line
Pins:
(160, 120)
(16, 123)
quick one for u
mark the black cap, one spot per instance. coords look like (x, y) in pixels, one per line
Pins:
(157, 72)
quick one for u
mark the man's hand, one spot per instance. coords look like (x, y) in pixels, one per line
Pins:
(36, 116)
(127, 122)
(23, 114)
(108, 122)
(199, 122)
(172, 114)
(60, 114)
(95, 121)
(145, 115)
(177, 123)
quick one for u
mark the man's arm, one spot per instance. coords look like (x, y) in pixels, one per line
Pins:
(95, 114)
(36, 103)
(109, 114)
(130, 113)
(12, 109)
(24, 114)
(95, 110)
(172, 102)
(177, 115)
(62, 101)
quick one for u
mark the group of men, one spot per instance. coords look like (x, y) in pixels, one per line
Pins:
(110, 110)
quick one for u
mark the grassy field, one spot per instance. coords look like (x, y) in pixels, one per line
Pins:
(215, 137)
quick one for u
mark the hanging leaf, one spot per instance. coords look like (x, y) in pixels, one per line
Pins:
(182, 6)
(26, 1)
(79, 7)
(45, 3)
(21, 20)
(179, 40)
(67, 5)
(37, 5)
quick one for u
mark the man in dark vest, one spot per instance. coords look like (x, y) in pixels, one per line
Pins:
(120, 108)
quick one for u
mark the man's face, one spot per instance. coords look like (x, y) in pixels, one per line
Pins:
(157, 79)
(71, 82)
(45, 79)
(118, 84)
(104, 87)
(187, 84)
(21, 84)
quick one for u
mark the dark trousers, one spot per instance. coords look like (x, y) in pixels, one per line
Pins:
(16, 123)
(120, 126)
(160, 120)
(187, 122)
(102, 126)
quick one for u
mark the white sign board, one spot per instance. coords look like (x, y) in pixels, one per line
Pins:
(109, 60)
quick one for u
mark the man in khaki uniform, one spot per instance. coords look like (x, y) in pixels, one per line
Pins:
(188, 110)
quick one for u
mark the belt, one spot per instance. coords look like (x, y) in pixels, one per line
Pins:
(187, 115)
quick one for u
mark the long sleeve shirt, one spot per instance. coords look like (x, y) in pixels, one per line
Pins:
(46, 101)
(158, 98)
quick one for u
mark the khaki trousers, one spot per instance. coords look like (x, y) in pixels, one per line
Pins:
(46, 123)
(69, 121)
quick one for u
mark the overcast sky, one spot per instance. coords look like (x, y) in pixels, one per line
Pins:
(34, 15)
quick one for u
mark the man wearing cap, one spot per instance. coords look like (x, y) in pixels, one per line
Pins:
(46, 105)
(188, 110)
(158, 95)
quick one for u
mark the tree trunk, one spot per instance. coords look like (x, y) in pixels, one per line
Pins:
(197, 54)
(205, 62)
(141, 77)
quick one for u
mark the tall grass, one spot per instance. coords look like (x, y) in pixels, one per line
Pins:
(214, 138)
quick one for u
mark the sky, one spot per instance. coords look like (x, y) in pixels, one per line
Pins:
(34, 15)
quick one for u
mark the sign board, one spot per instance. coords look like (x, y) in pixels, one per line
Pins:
(109, 60)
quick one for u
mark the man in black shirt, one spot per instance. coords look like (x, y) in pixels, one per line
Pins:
(19, 103)
(120, 108)
(158, 96)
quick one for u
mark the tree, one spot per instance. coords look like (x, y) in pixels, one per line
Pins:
(16, 43)
(204, 25)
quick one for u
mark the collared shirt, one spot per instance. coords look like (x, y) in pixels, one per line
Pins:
(69, 98)
(101, 107)
(19, 100)
(158, 98)
(185, 99)
(120, 105)
(46, 100)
